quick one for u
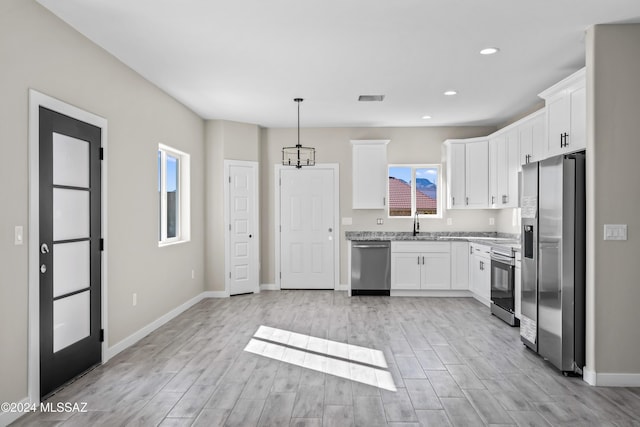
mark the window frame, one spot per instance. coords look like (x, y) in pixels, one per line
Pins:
(183, 222)
(414, 167)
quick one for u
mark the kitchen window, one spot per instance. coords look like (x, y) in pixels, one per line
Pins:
(414, 188)
(174, 196)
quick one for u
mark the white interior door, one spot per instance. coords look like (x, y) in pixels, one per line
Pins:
(242, 213)
(307, 229)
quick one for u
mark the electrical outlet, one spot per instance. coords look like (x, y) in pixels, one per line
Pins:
(449, 221)
(492, 221)
(379, 221)
(134, 299)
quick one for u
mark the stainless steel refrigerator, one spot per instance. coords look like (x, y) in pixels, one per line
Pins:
(553, 260)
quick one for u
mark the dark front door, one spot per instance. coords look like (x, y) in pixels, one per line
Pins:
(70, 232)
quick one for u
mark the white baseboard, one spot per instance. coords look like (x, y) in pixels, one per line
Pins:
(431, 293)
(215, 294)
(342, 287)
(610, 379)
(7, 418)
(269, 287)
(143, 332)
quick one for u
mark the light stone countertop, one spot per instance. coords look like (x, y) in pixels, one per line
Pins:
(488, 238)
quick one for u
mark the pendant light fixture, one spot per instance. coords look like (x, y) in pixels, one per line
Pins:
(298, 156)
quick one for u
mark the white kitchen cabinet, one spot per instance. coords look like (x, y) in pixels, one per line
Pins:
(517, 286)
(566, 118)
(456, 175)
(480, 273)
(468, 173)
(477, 174)
(460, 265)
(370, 174)
(420, 265)
(503, 169)
(532, 138)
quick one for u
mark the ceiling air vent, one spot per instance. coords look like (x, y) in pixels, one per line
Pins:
(368, 98)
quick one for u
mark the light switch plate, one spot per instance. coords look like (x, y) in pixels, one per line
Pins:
(615, 232)
(347, 220)
(18, 235)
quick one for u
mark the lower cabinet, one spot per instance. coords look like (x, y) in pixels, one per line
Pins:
(418, 265)
(480, 272)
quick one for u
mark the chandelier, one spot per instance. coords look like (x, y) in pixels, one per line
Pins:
(298, 156)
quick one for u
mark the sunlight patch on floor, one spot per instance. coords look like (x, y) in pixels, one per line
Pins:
(356, 363)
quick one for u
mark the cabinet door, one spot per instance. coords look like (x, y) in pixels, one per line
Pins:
(477, 174)
(405, 270)
(526, 143)
(558, 122)
(494, 167)
(436, 270)
(456, 176)
(484, 287)
(369, 175)
(539, 148)
(577, 139)
(474, 273)
(512, 166)
(459, 265)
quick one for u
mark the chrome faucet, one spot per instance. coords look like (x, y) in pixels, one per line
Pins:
(416, 224)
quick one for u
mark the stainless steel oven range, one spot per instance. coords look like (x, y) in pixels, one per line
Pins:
(503, 262)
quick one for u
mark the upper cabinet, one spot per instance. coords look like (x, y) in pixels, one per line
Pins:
(503, 168)
(369, 174)
(532, 138)
(566, 118)
(467, 173)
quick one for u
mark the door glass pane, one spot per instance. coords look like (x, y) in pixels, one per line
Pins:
(399, 191)
(70, 214)
(427, 191)
(71, 320)
(70, 161)
(172, 196)
(71, 270)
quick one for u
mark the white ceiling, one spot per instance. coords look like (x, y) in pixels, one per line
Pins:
(245, 60)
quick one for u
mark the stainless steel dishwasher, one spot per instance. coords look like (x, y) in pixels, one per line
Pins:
(370, 267)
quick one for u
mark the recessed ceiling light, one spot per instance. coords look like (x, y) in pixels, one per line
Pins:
(426, 117)
(489, 51)
(366, 98)
(451, 93)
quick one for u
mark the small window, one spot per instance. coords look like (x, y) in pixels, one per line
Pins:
(414, 188)
(173, 188)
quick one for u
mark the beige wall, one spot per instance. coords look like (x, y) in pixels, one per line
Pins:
(408, 145)
(39, 51)
(613, 96)
(224, 140)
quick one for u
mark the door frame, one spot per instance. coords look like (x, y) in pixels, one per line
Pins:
(36, 100)
(335, 167)
(254, 218)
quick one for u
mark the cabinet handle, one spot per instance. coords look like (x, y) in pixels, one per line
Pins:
(563, 139)
(422, 260)
(418, 259)
(492, 200)
(467, 200)
(527, 158)
(453, 200)
(505, 199)
(384, 201)
(470, 250)
(481, 265)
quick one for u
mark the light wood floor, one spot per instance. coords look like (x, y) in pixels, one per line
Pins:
(452, 363)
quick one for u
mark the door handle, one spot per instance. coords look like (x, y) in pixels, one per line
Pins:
(330, 230)
(44, 248)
